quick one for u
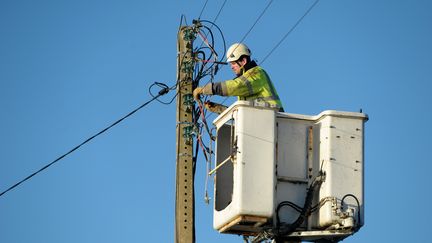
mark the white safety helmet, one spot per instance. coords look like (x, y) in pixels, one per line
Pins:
(237, 50)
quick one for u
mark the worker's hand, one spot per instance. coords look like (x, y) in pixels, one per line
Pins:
(208, 104)
(206, 90)
(196, 93)
(214, 107)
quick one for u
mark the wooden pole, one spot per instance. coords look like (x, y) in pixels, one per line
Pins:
(184, 206)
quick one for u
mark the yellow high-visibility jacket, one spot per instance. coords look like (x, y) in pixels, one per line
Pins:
(253, 84)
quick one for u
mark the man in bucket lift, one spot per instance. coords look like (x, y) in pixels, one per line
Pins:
(251, 83)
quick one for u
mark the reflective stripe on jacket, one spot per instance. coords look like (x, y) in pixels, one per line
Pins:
(254, 84)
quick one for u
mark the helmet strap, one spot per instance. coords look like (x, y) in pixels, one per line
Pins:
(242, 69)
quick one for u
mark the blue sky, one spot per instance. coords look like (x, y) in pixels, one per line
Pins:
(70, 68)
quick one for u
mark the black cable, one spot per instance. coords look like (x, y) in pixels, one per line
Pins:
(305, 211)
(288, 203)
(161, 92)
(200, 68)
(318, 205)
(214, 20)
(183, 17)
(202, 9)
(358, 205)
(163, 87)
(221, 33)
(214, 65)
(256, 21)
(220, 10)
(291, 30)
(211, 46)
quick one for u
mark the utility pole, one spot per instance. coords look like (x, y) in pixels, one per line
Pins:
(184, 208)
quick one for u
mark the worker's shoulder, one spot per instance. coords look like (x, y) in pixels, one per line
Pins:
(255, 70)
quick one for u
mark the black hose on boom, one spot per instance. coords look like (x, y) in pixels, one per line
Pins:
(305, 212)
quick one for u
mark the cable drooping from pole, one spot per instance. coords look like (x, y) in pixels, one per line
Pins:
(183, 17)
(163, 91)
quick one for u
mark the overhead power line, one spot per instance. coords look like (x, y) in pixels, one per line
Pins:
(213, 22)
(256, 21)
(202, 9)
(291, 30)
(219, 12)
(163, 91)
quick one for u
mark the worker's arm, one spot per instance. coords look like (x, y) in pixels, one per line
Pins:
(245, 85)
(206, 90)
(240, 86)
(236, 87)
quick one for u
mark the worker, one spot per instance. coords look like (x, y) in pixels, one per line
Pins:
(251, 83)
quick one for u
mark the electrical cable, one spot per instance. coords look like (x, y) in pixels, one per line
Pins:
(320, 204)
(358, 205)
(254, 24)
(202, 9)
(256, 21)
(162, 86)
(182, 17)
(305, 210)
(213, 68)
(291, 30)
(204, 38)
(287, 203)
(208, 169)
(219, 12)
(214, 20)
(163, 91)
(223, 40)
(217, 27)
(203, 119)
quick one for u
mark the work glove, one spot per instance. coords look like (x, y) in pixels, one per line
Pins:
(214, 107)
(205, 90)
